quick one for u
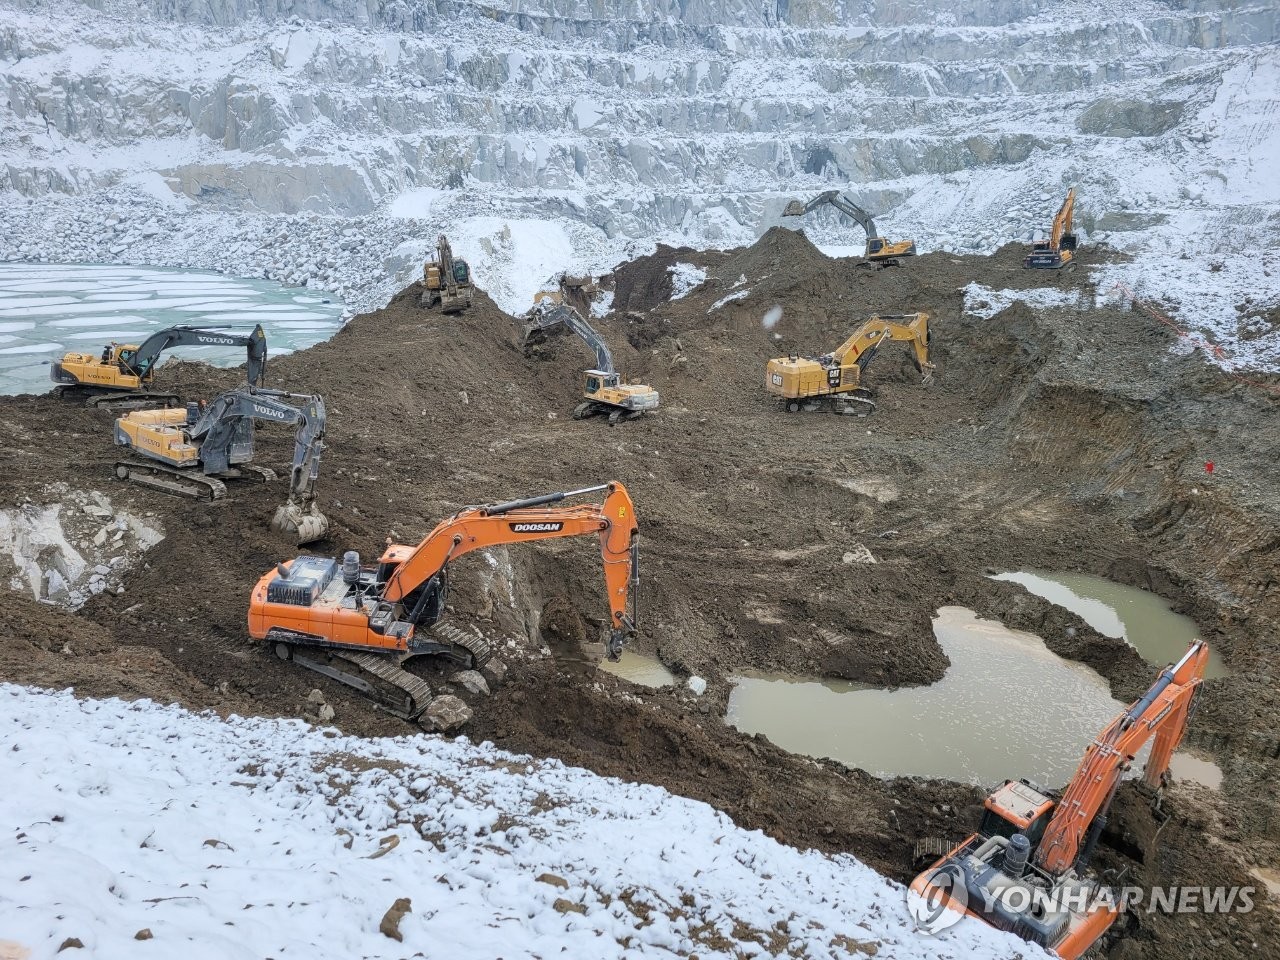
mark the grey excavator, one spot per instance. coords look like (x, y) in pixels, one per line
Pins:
(192, 452)
(605, 394)
(879, 252)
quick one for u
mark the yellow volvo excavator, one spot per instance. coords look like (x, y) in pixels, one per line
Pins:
(880, 252)
(122, 375)
(191, 452)
(808, 383)
(358, 624)
(446, 280)
(606, 394)
(1059, 250)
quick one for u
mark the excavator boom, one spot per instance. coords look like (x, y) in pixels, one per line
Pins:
(393, 608)
(1161, 713)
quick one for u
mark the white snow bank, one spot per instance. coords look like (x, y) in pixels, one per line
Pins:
(252, 838)
(728, 298)
(685, 278)
(983, 301)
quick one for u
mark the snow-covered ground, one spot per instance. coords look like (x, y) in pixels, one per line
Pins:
(328, 147)
(264, 838)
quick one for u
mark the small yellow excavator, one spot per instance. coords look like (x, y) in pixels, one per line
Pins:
(808, 383)
(1058, 251)
(1026, 869)
(446, 280)
(880, 252)
(605, 394)
(191, 452)
(122, 375)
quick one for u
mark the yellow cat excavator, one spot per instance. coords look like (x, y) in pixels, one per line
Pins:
(808, 383)
(879, 250)
(122, 375)
(358, 624)
(1025, 870)
(191, 452)
(1058, 251)
(605, 394)
(446, 280)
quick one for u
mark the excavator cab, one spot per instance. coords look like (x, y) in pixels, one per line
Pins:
(1017, 807)
(598, 380)
(874, 245)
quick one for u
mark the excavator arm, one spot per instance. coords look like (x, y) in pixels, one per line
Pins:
(545, 317)
(1062, 222)
(841, 203)
(523, 521)
(861, 347)
(225, 435)
(255, 343)
(1161, 713)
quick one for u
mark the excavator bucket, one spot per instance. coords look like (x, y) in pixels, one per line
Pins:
(303, 525)
(539, 327)
(794, 209)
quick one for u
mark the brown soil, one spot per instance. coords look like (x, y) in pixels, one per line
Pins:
(1063, 438)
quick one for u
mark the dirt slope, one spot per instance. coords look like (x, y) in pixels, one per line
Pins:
(1065, 438)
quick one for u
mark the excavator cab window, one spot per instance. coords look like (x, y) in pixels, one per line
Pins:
(875, 245)
(460, 271)
(593, 384)
(126, 358)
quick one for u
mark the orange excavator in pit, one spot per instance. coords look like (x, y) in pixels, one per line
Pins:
(1025, 869)
(359, 624)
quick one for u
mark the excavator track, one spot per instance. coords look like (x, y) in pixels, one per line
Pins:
(377, 676)
(381, 677)
(95, 399)
(477, 647)
(251, 471)
(183, 483)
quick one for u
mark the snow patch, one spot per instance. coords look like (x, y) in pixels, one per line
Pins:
(68, 550)
(737, 295)
(685, 278)
(250, 837)
(982, 301)
(415, 204)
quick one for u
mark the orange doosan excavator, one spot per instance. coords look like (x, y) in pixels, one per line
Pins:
(359, 624)
(1025, 869)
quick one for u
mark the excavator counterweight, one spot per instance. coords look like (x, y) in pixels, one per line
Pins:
(1026, 869)
(121, 376)
(192, 452)
(879, 252)
(359, 623)
(835, 379)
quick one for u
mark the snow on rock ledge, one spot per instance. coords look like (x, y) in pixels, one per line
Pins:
(251, 838)
(73, 546)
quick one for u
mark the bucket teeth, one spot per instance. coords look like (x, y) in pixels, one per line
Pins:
(304, 526)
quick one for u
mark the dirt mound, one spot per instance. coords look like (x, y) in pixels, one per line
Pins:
(1052, 438)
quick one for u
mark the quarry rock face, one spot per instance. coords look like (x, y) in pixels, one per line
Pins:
(959, 125)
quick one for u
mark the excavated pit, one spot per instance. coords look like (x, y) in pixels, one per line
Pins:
(1066, 438)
